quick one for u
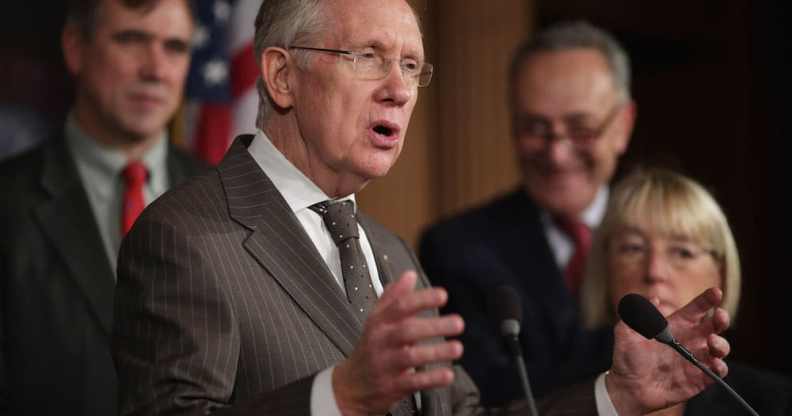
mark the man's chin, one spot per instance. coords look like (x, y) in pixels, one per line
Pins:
(562, 200)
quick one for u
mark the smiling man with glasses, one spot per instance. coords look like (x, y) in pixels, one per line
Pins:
(572, 117)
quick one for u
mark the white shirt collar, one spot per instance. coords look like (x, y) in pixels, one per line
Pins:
(560, 243)
(593, 214)
(298, 191)
(102, 166)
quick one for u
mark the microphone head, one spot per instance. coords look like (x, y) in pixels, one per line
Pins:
(506, 308)
(642, 316)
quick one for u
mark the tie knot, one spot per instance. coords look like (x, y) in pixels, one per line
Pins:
(339, 218)
(135, 173)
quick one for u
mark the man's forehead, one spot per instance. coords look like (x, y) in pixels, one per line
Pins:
(377, 23)
(565, 81)
(168, 18)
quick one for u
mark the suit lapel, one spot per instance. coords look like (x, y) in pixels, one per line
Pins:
(67, 220)
(528, 241)
(279, 243)
(381, 258)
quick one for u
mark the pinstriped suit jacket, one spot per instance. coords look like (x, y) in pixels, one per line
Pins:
(224, 305)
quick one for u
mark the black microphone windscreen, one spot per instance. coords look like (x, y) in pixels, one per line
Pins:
(505, 304)
(641, 315)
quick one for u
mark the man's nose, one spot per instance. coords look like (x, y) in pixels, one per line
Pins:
(560, 148)
(398, 89)
(153, 63)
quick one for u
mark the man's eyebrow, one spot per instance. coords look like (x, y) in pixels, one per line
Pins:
(128, 34)
(177, 43)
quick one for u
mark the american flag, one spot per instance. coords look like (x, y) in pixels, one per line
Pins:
(221, 94)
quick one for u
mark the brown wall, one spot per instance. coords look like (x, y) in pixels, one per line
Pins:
(458, 150)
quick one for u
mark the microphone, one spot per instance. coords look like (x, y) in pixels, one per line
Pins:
(507, 310)
(642, 316)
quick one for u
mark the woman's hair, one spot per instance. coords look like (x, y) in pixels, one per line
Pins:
(669, 204)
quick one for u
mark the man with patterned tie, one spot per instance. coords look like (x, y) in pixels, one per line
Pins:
(67, 204)
(260, 288)
(572, 117)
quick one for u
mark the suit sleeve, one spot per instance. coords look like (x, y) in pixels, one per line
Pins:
(176, 341)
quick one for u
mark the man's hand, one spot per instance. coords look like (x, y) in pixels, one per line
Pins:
(381, 369)
(647, 375)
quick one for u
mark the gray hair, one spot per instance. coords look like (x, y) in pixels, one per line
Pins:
(283, 23)
(575, 35)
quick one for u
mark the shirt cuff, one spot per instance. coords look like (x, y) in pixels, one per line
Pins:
(604, 404)
(323, 402)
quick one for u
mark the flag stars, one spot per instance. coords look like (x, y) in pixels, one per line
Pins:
(200, 37)
(222, 11)
(215, 72)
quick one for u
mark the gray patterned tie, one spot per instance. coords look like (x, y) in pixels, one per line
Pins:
(341, 222)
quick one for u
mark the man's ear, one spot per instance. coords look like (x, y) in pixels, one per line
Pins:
(72, 45)
(275, 72)
(627, 122)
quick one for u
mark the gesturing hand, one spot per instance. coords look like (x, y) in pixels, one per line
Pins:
(382, 368)
(647, 375)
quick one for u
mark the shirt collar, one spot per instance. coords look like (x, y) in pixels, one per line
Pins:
(592, 215)
(298, 191)
(100, 161)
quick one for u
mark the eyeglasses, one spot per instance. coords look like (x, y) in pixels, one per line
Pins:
(632, 250)
(372, 66)
(540, 130)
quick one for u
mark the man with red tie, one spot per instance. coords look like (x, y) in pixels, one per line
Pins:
(572, 116)
(68, 204)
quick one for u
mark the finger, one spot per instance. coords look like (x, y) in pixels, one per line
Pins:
(720, 320)
(720, 368)
(392, 291)
(412, 303)
(407, 358)
(417, 329)
(700, 306)
(412, 381)
(425, 354)
(718, 346)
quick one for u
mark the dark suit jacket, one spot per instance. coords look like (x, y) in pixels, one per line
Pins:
(504, 243)
(223, 303)
(56, 304)
(769, 394)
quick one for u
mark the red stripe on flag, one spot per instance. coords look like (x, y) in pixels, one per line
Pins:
(244, 71)
(213, 132)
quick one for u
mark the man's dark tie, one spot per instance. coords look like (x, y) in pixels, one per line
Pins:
(342, 224)
(580, 234)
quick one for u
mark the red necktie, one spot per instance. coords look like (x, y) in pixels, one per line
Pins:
(135, 175)
(580, 234)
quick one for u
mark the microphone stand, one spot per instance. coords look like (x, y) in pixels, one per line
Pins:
(673, 343)
(516, 352)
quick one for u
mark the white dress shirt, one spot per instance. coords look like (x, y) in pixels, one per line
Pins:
(300, 193)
